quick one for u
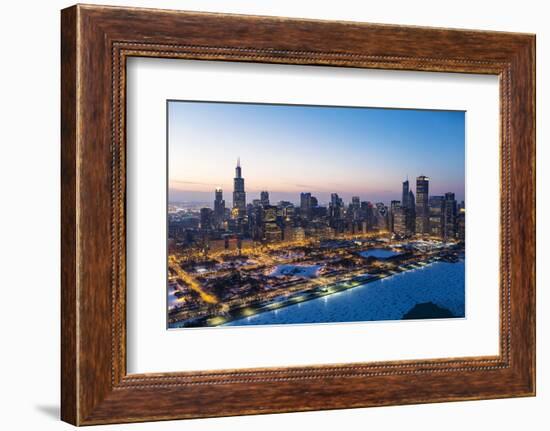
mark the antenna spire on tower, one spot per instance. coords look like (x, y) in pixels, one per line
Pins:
(239, 162)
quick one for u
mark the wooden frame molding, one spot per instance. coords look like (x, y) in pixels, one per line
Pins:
(96, 41)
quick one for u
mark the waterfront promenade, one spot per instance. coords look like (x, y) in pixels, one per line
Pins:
(318, 287)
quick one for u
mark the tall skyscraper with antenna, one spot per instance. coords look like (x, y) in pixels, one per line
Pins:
(239, 195)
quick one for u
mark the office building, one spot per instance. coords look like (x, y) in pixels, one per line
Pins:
(436, 204)
(305, 205)
(422, 216)
(272, 232)
(394, 205)
(206, 220)
(219, 208)
(400, 221)
(264, 198)
(405, 194)
(450, 216)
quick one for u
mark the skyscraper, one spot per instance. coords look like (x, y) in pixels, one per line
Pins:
(335, 206)
(382, 215)
(206, 220)
(461, 222)
(355, 208)
(422, 207)
(394, 206)
(305, 204)
(264, 198)
(239, 195)
(405, 194)
(336, 213)
(400, 221)
(219, 207)
(408, 210)
(272, 232)
(450, 216)
(436, 216)
(411, 213)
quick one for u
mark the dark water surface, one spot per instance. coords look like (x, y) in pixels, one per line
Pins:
(440, 283)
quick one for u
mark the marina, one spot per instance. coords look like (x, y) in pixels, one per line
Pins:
(384, 296)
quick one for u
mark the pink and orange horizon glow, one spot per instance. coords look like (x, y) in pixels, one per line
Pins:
(286, 150)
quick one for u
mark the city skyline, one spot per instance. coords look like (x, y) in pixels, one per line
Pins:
(303, 158)
(250, 197)
(286, 206)
(282, 248)
(265, 221)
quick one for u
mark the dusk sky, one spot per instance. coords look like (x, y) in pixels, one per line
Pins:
(289, 149)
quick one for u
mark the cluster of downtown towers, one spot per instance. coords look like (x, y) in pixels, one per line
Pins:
(259, 221)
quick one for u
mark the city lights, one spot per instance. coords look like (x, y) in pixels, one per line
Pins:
(232, 262)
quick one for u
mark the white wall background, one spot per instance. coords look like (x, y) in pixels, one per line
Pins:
(29, 214)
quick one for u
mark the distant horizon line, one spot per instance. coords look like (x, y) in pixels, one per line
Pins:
(298, 202)
(219, 187)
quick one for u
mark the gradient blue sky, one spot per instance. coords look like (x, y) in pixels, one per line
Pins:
(288, 149)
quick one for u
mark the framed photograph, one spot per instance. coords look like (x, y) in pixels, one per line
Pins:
(323, 214)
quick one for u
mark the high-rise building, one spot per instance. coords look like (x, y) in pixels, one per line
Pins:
(437, 204)
(287, 211)
(239, 195)
(422, 205)
(400, 221)
(272, 232)
(381, 215)
(364, 210)
(394, 205)
(336, 213)
(336, 206)
(355, 208)
(319, 212)
(305, 205)
(255, 222)
(411, 213)
(270, 214)
(264, 198)
(408, 209)
(461, 223)
(405, 194)
(368, 214)
(206, 220)
(450, 216)
(219, 208)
